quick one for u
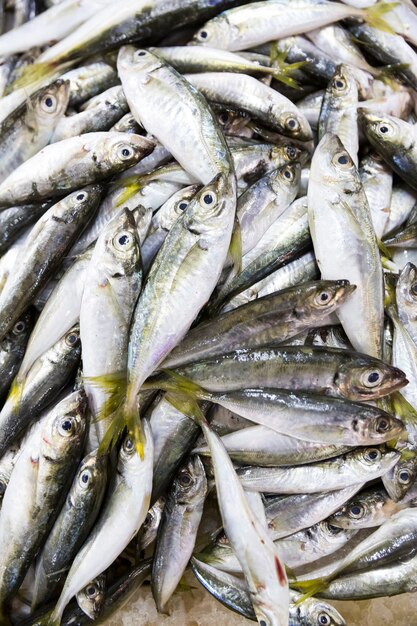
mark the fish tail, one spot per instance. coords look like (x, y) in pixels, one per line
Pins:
(374, 16)
(282, 73)
(310, 588)
(30, 74)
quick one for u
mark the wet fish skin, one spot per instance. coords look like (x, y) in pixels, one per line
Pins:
(14, 220)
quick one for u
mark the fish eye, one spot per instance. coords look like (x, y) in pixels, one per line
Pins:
(291, 152)
(372, 455)
(81, 196)
(323, 619)
(19, 327)
(128, 445)
(49, 103)
(125, 152)
(322, 298)
(288, 173)
(91, 591)
(182, 205)
(371, 378)
(71, 339)
(404, 476)
(66, 427)
(223, 117)
(85, 478)
(123, 241)
(339, 83)
(382, 425)
(343, 159)
(384, 129)
(356, 511)
(413, 289)
(185, 479)
(140, 53)
(208, 198)
(203, 34)
(262, 622)
(292, 123)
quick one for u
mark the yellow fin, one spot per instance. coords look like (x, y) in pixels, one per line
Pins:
(16, 394)
(403, 409)
(310, 587)
(374, 16)
(30, 74)
(235, 247)
(281, 70)
(390, 286)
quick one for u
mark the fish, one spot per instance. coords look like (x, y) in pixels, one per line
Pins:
(146, 80)
(178, 529)
(196, 246)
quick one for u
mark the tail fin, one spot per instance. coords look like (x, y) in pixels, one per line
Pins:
(374, 16)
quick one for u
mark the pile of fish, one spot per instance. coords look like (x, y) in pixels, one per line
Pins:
(208, 305)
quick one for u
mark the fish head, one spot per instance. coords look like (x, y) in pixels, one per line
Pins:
(343, 85)
(312, 611)
(122, 150)
(190, 481)
(121, 246)
(332, 165)
(372, 459)
(65, 427)
(138, 60)
(293, 123)
(91, 472)
(291, 153)
(360, 510)
(287, 177)
(52, 101)
(91, 598)
(323, 297)
(366, 378)
(401, 477)
(214, 33)
(210, 203)
(69, 345)
(232, 122)
(180, 201)
(377, 426)
(407, 285)
(388, 134)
